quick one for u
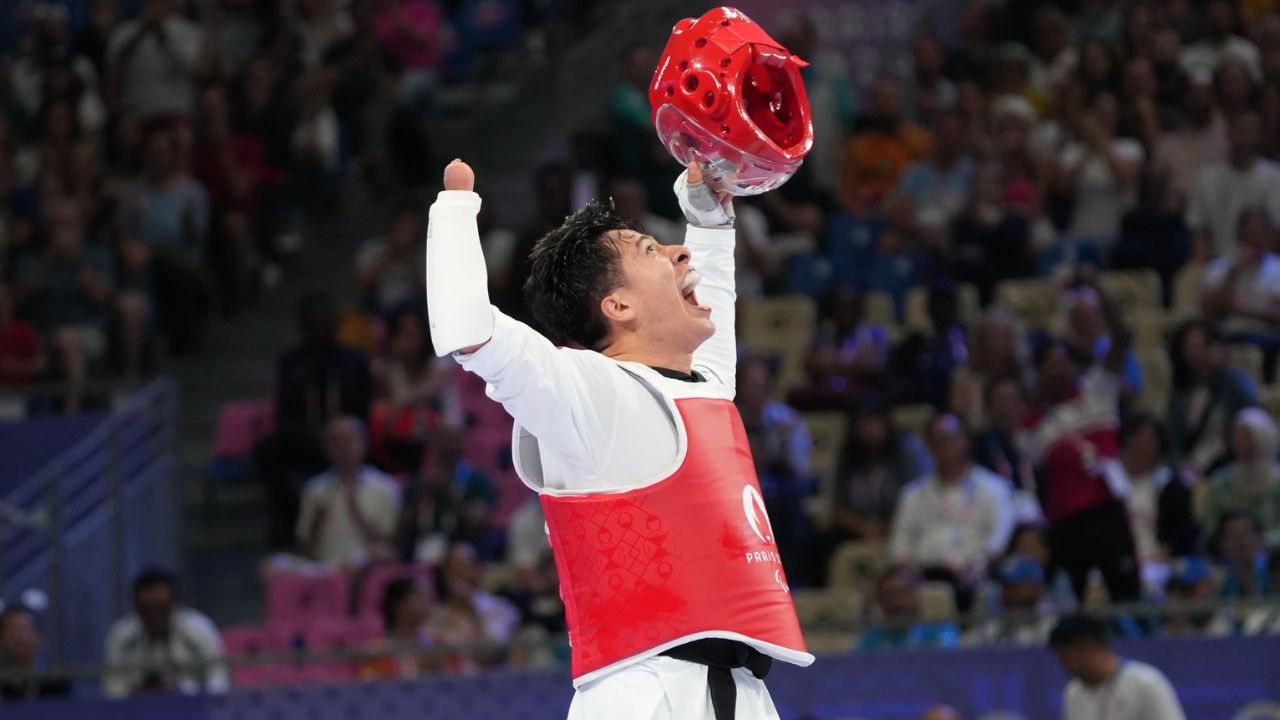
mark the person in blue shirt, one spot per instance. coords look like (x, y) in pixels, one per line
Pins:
(1239, 547)
(900, 627)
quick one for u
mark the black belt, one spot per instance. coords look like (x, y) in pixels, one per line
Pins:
(721, 657)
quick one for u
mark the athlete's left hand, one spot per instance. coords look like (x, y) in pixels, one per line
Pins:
(702, 204)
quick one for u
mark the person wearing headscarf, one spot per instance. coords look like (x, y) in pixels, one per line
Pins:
(1251, 483)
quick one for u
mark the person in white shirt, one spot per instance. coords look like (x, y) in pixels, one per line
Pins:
(155, 57)
(162, 646)
(1221, 44)
(598, 427)
(349, 511)
(1101, 173)
(1242, 291)
(952, 521)
(1223, 190)
(1104, 685)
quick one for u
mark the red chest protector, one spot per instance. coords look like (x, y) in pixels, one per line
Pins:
(690, 557)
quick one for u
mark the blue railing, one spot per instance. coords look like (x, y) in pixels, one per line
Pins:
(91, 518)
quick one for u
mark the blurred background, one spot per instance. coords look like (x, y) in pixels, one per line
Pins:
(224, 425)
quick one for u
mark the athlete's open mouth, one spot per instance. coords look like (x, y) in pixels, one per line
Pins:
(689, 289)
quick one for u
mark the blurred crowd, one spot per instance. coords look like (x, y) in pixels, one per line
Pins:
(1007, 337)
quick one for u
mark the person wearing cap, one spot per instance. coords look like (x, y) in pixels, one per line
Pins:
(1105, 684)
(1026, 615)
(1192, 581)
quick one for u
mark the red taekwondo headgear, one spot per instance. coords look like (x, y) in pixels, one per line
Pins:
(729, 96)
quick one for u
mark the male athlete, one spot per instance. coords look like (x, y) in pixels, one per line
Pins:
(674, 592)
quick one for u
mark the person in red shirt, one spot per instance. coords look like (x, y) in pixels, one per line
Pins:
(1074, 439)
(22, 354)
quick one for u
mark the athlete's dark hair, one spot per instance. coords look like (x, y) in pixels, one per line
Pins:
(1077, 629)
(571, 269)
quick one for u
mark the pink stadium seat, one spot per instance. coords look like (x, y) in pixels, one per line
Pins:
(298, 598)
(333, 635)
(375, 582)
(252, 642)
(241, 424)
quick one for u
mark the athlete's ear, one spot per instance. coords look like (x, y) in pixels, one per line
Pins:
(616, 308)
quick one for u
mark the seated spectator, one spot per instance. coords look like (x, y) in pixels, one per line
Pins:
(1200, 141)
(1152, 234)
(413, 391)
(1223, 190)
(1266, 620)
(20, 648)
(1104, 684)
(883, 146)
(852, 239)
(153, 60)
(447, 501)
(348, 513)
(66, 290)
(850, 354)
(997, 448)
(1158, 497)
(1191, 581)
(23, 358)
(877, 461)
(1242, 291)
(1220, 43)
(990, 238)
(390, 269)
(1026, 615)
(898, 626)
(1074, 439)
(1207, 394)
(898, 265)
(1022, 173)
(163, 647)
(315, 381)
(470, 621)
(1238, 545)
(1251, 483)
(781, 448)
(924, 364)
(936, 189)
(997, 349)
(401, 654)
(950, 523)
(1099, 174)
(1087, 336)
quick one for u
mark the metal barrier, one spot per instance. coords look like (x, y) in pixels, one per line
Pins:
(92, 518)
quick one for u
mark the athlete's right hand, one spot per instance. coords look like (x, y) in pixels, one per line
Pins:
(459, 176)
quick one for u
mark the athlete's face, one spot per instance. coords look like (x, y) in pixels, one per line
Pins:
(657, 299)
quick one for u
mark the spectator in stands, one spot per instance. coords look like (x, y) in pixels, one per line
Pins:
(1207, 394)
(1152, 234)
(316, 381)
(321, 25)
(997, 448)
(168, 211)
(991, 239)
(390, 269)
(1191, 580)
(447, 501)
(20, 649)
(1099, 175)
(1223, 190)
(898, 626)
(831, 98)
(1074, 438)
(163, 646)
(1221, 43)
(877, 461)
(925, 363)
(154, 58)
(631, 202)
(1086, 335)
(348, 513)
(1026, 615)
(997, 349)
(1251, 483)
(933, 93)
(952, 522)
(23, 357)
(415, 34)
(1243, 291)
(1023, 175)
(1239, 546)
(552, 184)
(1158, 496)
(66, 289)
(316, 148)
(1104, 684)
(849, 356)
(401, 655)
(884, 145)
(1200, 141)
(781, 448)
(413, 391)
(936, 188)
(469, 619)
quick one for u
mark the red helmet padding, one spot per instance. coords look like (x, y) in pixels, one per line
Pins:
(727, 75)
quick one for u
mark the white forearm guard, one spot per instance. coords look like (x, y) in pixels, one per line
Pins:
(457, 280)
